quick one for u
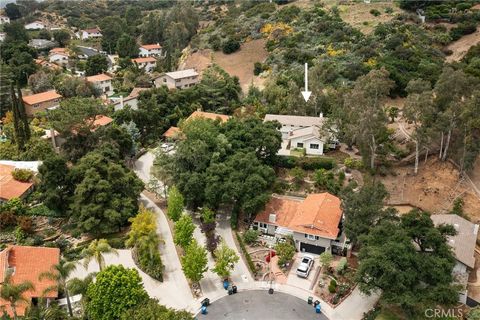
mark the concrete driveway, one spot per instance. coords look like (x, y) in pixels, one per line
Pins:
(304, 283)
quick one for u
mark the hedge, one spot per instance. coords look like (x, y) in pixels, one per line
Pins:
(291, 162)
(250, 263)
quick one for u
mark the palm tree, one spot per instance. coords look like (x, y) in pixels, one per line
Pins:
(95, 251)
(80, 286)
(13, 293)
(60, 274)
(46, 312)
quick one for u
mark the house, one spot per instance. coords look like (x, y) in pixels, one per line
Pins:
(9, 187)
(35, 25)
(46, 64)
(41, 102)
(148, 63)
(463, 246)
(23, 264)
(3, 35)
(177, 79)
(314, 222)
(59, 56)
(302, 133)
(150, 50)
(89, 33)
(4, 19)
(41, 44)
(100, 121)
(173, 133)
(102, 83)
(130, 101)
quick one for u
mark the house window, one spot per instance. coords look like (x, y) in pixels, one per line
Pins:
(299, 144)
(310, 237)
(314, 146)
(262, 225)
(164, 80)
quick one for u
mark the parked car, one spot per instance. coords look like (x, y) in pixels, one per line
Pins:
(167, 147)
(306, 265)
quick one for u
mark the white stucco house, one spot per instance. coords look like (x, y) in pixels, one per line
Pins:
(102, 82)
(313, 222)
(150, 50)
(122, 102)
(59, 56)
(463, 247)
(147, 63)
(299, 132)
(4, 19)
(89, 33)
(178, 79)
(35, 25)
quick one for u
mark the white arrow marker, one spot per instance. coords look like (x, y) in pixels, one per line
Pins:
(306, 94)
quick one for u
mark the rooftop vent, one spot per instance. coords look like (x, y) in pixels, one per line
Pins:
(272, 218)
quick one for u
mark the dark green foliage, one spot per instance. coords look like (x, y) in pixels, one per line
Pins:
(230, 46)
(150, 309)
(290, 162)
(285, 252)
(12, 10)
(62, 37)
(462, 29)
(332, 287)
(23, 175)
(375, 12)
(250, 236)
(245, 253)
(114, 291)
(326, 180)
(127, 46)
(96, 64)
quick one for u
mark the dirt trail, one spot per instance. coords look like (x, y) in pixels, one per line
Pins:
(461, 46)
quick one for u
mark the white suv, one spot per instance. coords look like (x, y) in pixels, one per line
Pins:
(305, 266)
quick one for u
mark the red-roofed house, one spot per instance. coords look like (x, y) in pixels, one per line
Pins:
(9, 187)
(27, 264)
(102, 83)
(150, 50)
(89, 33)
(313, 222)
(147, 63)
(41, 102)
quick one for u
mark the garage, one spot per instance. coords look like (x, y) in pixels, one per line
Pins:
(310, 248)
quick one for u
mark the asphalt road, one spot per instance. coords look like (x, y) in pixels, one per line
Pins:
(253, 305)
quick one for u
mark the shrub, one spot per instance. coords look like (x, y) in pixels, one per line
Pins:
(375, 12)
(250, 263)
(7, 219)
(352, 163)
(332, 287)
(250, 236)
(23, 175)
(388, 10)
(25, 224)
(317, 163)
(285, 252)
(342, 265)
(230, 46)
(257, 68)
(462, 29)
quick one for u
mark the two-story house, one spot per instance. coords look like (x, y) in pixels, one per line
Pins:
(313, 222)
(177, 79)
(150, 50)
(89, 33)
(41, 102)
(102, 82)
(147, 63)
(59, 56)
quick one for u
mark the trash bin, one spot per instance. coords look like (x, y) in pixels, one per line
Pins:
(225, 284)
(310, 300)
(318, 308)
(205, 302)
(270, 290)
(316, 303)
(234, 288)
(204, 310)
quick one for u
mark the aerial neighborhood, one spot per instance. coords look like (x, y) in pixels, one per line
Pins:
(242, 159)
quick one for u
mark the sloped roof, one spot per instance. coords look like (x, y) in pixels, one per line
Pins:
(182, 74)
(144, 60)
(151, 46)
(208, 115)
(41, 97)
(101, 120)
(92, 30)
(58, 50)
(9, 187)
(318, 214)
(136, 91)
(99, 77)
(308, 132)
(28, 264)
(295, 120)
(463, 244)
(172, 132)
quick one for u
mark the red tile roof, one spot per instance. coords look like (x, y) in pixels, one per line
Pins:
(151, 46)
(93, 30)
(58, 50)
(99, 77)
(172, 132)
(318, 214)
(41, 97)
(208, 115)
(101, 121)
(144, 60)
(28, 264)
(9, 187)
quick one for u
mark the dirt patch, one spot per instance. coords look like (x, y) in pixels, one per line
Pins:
(461, 46)
(238, 64)
(433, 189)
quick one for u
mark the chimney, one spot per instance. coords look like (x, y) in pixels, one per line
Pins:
(272, 218)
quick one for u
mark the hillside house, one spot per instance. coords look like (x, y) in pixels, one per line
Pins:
(299, 132)
(41, 102)
(173, 133)
(89, 34)
(177, 79)
(150, 50)
(35, 25)
(59, 56)
(23, 263)
(46, 64)
(4, 19)
(313, 222)
(41, 44)
(9, 187)
(463, 247)
(102, 82)
(147, 64)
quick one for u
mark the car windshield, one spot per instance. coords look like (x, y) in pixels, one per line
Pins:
(305, 260)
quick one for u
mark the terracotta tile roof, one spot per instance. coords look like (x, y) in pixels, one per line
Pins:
(101, 121)
(58, 50)
(172, 132)
(151, 46)
(93, 30)
(136, 92)
(208, 115)
(318, 214)
(99, 77)
(41, 97)
(144, 60)
(46, 64)
(9, 187)
(28, 264)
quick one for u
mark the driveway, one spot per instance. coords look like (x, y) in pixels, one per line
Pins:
(142, 166)
(296, 281)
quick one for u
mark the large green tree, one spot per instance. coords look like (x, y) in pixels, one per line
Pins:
(127, 47)
(152, 310)
(175, 204)
(96, 64)
(114, 291)
(225, 259)
(194, 261)
(184, 228)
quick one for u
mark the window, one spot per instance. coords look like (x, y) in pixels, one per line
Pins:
(310, 237)
(299, 144)
(262, 225)
(314, 146)
(164, 79)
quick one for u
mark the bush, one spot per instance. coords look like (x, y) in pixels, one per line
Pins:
(332, 287)
(250, 236)
(257, 68)
(290, 162)
(388, 10)
(250, 263)
(22, 175)
(342, 265)
(230, 46)
(462, 29)
(7, 219)
(375, 12)
(352, 163)
(25, 224)
(285, 252)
